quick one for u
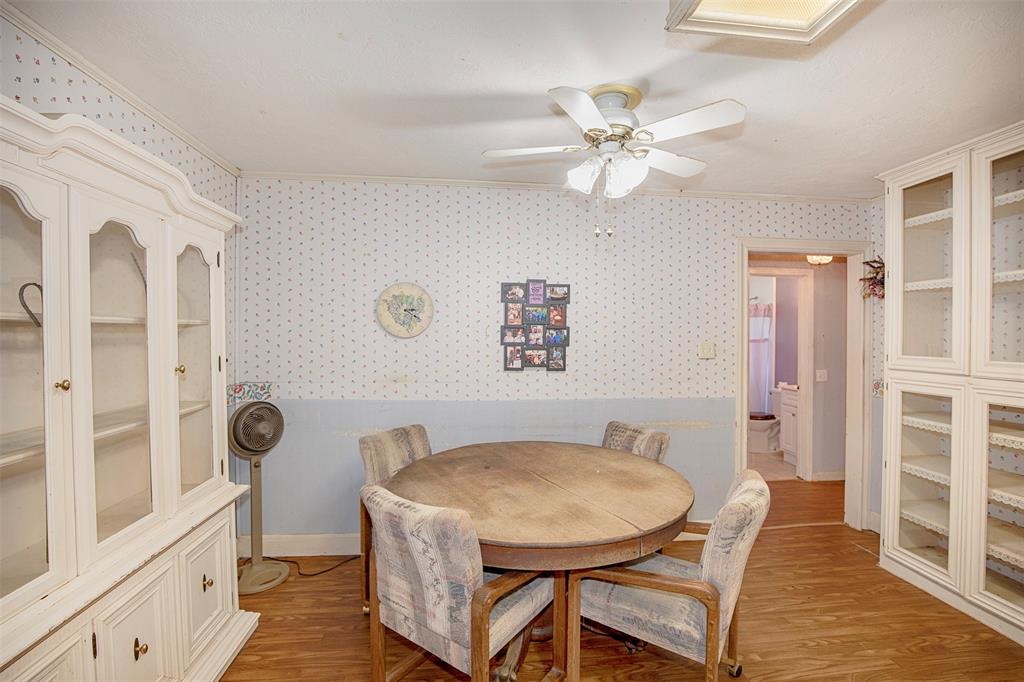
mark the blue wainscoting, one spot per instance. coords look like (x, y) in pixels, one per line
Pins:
(311, 481)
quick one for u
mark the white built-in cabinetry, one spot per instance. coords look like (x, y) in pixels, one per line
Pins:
(953, 499)
(117, 557)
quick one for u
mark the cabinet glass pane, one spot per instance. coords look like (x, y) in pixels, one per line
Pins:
(925, 476)
(120, 381)
(1008, 259)
(928, 268)
(1004, 530)
(195, 413)
(23, 550)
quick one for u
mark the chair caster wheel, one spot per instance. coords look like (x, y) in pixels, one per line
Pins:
(735, 670)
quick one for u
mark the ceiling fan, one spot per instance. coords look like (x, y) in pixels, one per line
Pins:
(609, 126)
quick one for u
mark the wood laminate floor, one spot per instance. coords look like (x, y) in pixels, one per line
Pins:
(815, 606)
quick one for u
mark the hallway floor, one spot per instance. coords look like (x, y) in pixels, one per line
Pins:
(771, 465)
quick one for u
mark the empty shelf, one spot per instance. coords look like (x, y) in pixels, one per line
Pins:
(929, 284)
(1001, 433)
(26, 446)
(938, 422)
(933, 219)
(1003, 486)
(1008, 204)
(22, 318)
(1008, 276)
(1005, 541)
(122, 514)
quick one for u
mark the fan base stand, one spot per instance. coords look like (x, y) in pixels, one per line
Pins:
(260, 576)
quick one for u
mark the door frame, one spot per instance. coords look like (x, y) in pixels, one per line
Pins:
(858, 364)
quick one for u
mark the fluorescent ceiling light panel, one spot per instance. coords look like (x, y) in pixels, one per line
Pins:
(798, 21)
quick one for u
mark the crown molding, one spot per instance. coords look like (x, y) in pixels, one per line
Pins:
(66, 52)
(1012, 130)
(547, 187)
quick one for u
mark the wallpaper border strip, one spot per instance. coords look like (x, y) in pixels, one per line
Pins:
(65, 51)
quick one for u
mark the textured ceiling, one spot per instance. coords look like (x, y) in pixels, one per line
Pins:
(419, 89)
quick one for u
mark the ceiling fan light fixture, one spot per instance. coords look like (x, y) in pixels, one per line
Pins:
(582, 177)
(623, 174)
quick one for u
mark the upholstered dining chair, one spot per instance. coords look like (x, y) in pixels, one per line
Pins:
(428, 585)
(636, 439)
(384, 454)
(687, 608)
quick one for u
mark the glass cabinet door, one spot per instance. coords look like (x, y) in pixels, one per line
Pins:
(928, 265)
(999, 260)
(117, 251)
(925, 477)
(999, 453)
(34, 426)
(194, 371)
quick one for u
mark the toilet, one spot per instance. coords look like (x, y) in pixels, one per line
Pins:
(762, 433)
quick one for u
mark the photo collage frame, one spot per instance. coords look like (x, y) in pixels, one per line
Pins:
(534, 325)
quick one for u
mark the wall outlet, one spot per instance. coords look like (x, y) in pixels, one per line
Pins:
(706, 350)
(821, 375)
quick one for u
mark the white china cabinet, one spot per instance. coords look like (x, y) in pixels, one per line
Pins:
(117, 556)
(953, 499)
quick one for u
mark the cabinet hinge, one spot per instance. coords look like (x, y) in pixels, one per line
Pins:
(222, 467)
(219, 368)
(94, 645)
(218, 259)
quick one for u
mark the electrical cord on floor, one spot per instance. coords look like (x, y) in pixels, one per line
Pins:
(298, 566)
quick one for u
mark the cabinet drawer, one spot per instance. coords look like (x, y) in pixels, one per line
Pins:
(68, 660)
(206, 587)
(136, 636)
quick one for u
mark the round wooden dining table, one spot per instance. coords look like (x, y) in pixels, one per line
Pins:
(556, 507)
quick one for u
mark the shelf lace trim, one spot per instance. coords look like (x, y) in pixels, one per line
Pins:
(924, 523)
(927, 425)
(929, 218)
(926, 474)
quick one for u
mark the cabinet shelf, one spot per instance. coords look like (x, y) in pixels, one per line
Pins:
(1001, 433)
(929, 284)
(22, 318)
(1005, 205)
(26, 447)
(1003, 486)
(1008, 276)
(935, 219)
(1005, 540)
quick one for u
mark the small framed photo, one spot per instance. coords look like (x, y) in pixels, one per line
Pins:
(513, 358)
(556, 293)
(513, 292)
(513, 313)
(556, 359)
(556, 336)
(535, 358)
(513, 335)
(535, 314)
(535, 336)
(535, 292)
(556, 315)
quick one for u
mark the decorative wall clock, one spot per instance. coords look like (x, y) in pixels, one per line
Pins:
(405, 310)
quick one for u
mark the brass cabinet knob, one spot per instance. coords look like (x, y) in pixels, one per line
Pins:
(64, 385)
(180, 369)
(140, 649)
(207, 582)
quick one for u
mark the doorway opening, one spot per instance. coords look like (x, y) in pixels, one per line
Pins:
(803, 385)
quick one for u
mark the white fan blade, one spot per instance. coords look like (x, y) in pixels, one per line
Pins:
(527, 151)
(674, 164)
(717, 115)
(580, 107)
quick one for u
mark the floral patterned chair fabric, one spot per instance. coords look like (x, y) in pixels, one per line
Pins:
(635, 439)
(675, 621)
(428, 569)
(386, 452)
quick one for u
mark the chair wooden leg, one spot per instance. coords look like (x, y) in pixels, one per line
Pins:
(480, 659)
(378, 645)
(735, 669)
(711, 643)
(365, 540)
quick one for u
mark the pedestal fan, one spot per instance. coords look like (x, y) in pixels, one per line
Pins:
(255, 428)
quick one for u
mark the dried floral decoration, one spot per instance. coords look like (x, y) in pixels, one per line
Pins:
(874, 284)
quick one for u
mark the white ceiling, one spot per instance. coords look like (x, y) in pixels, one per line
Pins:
(419, 89)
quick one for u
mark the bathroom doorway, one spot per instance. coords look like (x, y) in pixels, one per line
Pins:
(803, 385)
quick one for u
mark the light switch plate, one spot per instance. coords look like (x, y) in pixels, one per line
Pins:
(706, 350)
(821, 375)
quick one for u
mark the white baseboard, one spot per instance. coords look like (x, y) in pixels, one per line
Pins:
(828, 475)
(303, 545)
(875, 522)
